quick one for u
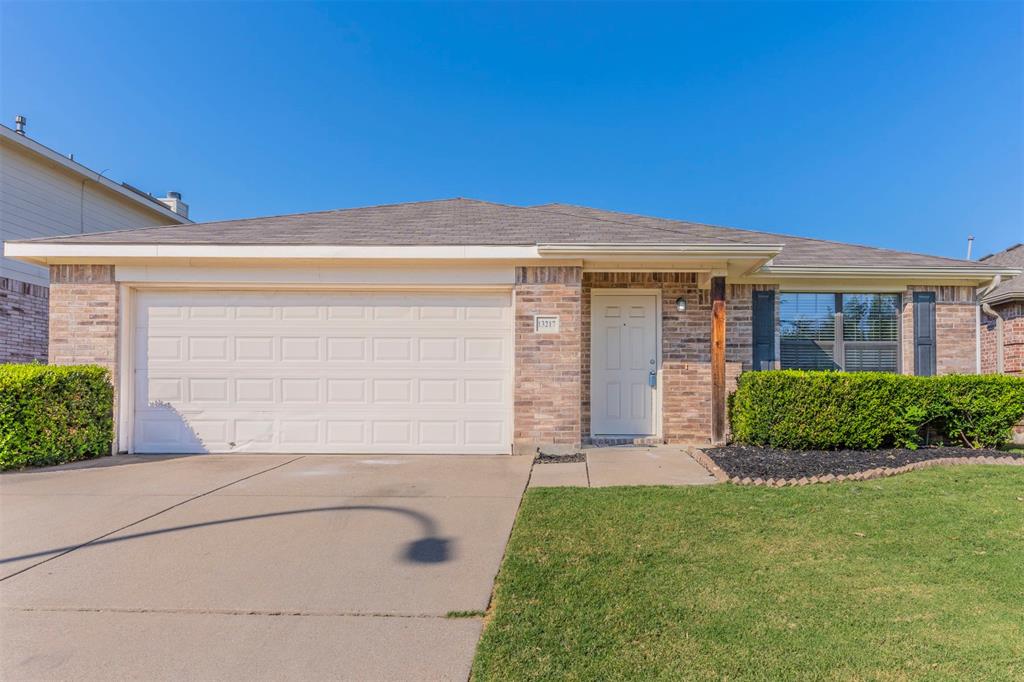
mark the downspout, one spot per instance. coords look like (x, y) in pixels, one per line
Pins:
(999, 335)
(988, 310)
(977, 339)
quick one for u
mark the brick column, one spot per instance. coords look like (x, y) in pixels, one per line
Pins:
(84, 316)
(907, 333)
(547, 371)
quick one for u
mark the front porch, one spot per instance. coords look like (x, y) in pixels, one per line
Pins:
(640, 358)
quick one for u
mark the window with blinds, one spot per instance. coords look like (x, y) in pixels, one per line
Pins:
(850, 332)
(808, 331)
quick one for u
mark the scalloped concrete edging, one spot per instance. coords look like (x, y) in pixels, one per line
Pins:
(705, 460)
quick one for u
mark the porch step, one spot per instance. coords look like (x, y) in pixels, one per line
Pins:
(607, 442)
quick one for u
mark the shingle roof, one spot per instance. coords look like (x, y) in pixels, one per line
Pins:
(1013, 289)
(464, 222)
(796, 251)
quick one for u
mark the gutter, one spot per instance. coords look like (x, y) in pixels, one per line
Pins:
(906, 272)
(634, 249)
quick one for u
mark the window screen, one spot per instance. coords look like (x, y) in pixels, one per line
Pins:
(851, 332)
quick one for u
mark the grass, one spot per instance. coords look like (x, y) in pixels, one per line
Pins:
(919, 576)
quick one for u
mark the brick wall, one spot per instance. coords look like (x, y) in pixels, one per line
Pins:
(686, 346)
(1013, 339)
(955, 322)
(83, 316)
(547, 366)
(24, 311)
(988, 339)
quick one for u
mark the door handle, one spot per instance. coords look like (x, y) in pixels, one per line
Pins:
(652, 379)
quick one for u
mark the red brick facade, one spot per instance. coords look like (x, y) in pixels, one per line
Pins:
(24, 310)
(1012, 315)
(547, 366)
(552, 370)
(956, 310)
(685, 346)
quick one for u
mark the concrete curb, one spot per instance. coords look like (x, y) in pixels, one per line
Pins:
(705, 460)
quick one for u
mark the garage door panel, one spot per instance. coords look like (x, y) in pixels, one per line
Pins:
(388, 388)
(323, 372)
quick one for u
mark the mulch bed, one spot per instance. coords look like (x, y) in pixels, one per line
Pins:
(542, 458)
(745, 461)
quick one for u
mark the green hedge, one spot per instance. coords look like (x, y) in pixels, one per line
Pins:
(869, 410)
(51, 415)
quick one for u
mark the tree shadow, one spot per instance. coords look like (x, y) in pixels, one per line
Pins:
(429, 549)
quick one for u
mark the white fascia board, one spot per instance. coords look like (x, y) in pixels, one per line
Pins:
(705, 251)
(44, 252)
(392, 273)
(78, 169)
(953, 272)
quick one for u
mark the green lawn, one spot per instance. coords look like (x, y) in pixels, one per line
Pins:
(920, 576)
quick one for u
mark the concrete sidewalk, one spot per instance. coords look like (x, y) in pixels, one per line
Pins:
(252, 567)
(626, 465)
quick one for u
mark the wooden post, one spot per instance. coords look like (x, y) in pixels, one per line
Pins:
(718, 360)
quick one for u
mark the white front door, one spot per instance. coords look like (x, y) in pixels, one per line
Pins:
(624, 363)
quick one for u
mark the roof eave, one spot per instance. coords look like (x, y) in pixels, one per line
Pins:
(766, 251)
(940, 272)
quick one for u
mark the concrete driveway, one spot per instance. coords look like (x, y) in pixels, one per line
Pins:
(251, 566)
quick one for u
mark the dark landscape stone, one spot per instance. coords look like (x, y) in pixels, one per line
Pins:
(748, 461)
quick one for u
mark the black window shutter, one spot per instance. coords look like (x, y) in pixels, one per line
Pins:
(924, 333)
(764, 329)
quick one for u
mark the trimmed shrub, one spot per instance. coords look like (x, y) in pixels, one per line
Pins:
(869, 410)
(51, 414)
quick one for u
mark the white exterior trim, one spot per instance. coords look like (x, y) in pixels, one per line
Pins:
(723, 250)
(45, 252)
(361, 274)
(905, 272)
(125, 370)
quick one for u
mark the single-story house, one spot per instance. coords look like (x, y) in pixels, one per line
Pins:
(1002, 321)
(462, 326)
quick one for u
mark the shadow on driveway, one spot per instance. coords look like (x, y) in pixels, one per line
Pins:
(429, 549)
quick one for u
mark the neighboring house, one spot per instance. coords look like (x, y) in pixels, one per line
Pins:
(45, 194)
(1002, 324)
(463, 326)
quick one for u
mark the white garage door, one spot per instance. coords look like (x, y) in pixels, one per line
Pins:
(255, 371)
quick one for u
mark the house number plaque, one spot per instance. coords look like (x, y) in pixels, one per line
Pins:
(546, 324)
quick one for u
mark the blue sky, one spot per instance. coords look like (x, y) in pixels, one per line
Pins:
(898, 125)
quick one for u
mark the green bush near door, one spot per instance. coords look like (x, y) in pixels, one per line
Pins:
(51, 415)
(869, 410)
